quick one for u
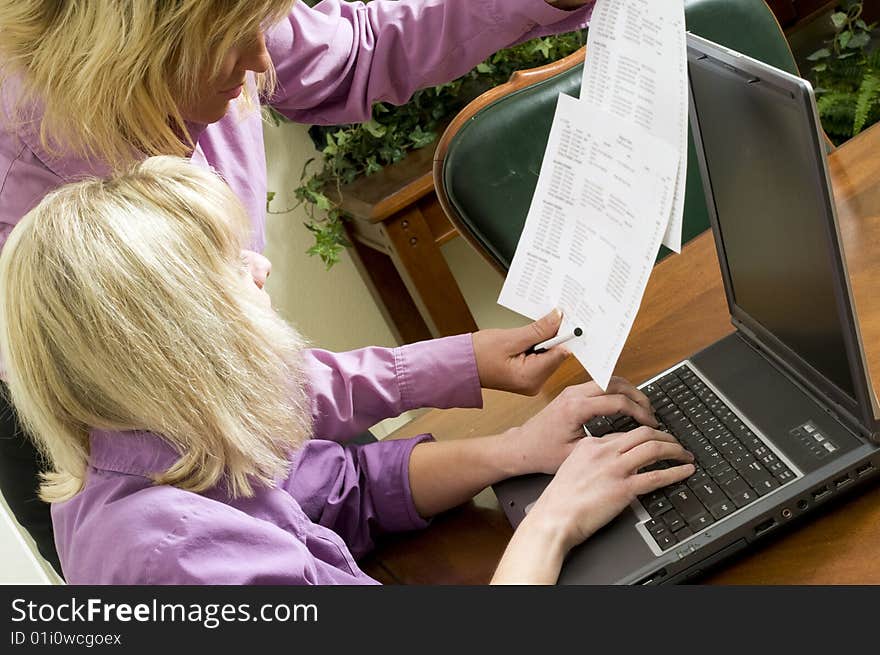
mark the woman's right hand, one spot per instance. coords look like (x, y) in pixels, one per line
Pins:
(593, 485)
(601, 477)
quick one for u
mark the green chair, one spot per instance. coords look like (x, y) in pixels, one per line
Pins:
(486, 165)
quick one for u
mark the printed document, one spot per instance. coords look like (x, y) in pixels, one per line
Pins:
(611, 186)
(593, 230)
(636, 68)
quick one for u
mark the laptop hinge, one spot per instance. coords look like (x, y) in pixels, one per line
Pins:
(840, 413)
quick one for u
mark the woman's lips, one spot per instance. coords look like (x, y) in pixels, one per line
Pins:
(232, 93)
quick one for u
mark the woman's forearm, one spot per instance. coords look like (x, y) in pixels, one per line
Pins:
(445, 474)
(534, 554)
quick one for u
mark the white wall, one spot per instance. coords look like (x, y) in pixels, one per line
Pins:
(333, 309)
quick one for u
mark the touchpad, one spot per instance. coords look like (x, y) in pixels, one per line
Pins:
(611, 554)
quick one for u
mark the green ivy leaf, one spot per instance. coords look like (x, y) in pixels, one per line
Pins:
(844, 38)
(819, 54)
(860, 40)
(376, 129)
(839, 19)
(322, 201)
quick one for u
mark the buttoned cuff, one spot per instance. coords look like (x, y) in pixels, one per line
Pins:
(439, 373)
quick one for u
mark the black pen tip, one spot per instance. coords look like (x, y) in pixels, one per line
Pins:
(578, 332)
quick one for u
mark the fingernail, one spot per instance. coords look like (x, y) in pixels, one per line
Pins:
(557, 313)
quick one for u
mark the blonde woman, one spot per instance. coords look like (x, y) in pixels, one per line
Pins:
(89, 86)
(176, 409)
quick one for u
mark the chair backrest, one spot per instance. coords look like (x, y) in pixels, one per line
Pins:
(487, 163)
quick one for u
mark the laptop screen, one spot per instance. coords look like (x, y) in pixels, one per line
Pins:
(769, 190)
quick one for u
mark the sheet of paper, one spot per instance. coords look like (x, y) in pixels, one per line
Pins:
(591, 237)
(636, 69)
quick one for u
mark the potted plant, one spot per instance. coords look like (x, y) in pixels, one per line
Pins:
(846, 75)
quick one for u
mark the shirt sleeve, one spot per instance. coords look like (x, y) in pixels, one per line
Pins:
(359, 492)
(334, 61)
(353, 390)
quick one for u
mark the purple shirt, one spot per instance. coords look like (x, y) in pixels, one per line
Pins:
(333, 62)
(123, 529)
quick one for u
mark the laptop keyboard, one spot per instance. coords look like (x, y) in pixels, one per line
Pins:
(734, 467)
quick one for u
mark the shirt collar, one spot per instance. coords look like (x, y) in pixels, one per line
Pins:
(132, 453)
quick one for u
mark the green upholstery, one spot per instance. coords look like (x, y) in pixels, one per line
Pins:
(491, 167)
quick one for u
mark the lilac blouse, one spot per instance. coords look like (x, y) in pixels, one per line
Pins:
(309, 529)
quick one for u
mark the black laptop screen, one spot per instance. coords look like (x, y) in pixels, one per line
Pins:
(771, 213)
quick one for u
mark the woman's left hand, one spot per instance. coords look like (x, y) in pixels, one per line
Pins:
(503, 364)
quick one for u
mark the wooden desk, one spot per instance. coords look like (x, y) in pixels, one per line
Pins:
(684, 310)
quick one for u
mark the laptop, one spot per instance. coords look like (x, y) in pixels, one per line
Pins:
(780, 414)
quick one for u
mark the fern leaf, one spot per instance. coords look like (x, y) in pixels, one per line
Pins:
(867, 97)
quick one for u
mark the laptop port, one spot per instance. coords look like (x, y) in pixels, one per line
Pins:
(864, 469)
(766, 525)
(654, 577)
(841, 482)
(802, 505)
(820, 493)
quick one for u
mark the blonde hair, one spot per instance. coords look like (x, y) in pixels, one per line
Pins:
(126, 306)
(112, 74)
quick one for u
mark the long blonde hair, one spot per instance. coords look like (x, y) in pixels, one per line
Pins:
(112, 74)
(126, 306)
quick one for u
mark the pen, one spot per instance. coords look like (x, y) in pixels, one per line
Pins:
(544, 346)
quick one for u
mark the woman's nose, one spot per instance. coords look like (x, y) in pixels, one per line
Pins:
(256, 58)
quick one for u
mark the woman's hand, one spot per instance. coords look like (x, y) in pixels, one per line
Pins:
(593, 485)
(600, 478)
(542, 443)
(501, 361)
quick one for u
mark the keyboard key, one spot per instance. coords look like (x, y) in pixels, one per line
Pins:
(656, 527)
(658, 507)
(684, 533)
(784, 476)
(599, 426)
(702, 520)
(766, 486)
(739, 491)
(673, 520)
(710, 494)
(742, 462)
(666, 540)
(758, 477)
(722, 509)
(697, 479)
(686, 503)
(721, 472)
